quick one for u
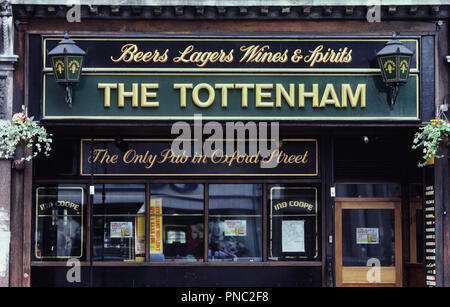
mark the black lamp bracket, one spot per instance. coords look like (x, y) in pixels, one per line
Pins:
(69, 94)
(392, 93)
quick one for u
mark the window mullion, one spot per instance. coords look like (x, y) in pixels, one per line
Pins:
(264, 223)
(206, 218)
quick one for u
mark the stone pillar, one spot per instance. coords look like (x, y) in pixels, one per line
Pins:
(7, 60)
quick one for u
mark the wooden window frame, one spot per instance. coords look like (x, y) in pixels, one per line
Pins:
(147, 263)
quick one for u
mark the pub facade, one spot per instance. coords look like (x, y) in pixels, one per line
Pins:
(227, 145)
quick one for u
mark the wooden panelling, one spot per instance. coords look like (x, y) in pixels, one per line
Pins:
(358, 275)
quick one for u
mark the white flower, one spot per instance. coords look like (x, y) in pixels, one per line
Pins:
(23, 130)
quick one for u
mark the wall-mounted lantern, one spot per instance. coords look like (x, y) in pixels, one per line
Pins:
(67, 61)
(394, 61)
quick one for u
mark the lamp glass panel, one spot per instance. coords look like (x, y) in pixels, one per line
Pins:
(74, 64)
(404, 62)
(59, 68)
(389, 68)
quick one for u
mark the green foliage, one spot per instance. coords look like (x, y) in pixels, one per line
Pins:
(22, 130)
(430, 137)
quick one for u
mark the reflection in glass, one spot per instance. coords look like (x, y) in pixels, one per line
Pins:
(235, 222)
(119, 217)
(176, 222)
(59, 222)
(368, 233)
(368, 190)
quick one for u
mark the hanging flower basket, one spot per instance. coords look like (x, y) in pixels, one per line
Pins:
(431, 137)
(22, 133)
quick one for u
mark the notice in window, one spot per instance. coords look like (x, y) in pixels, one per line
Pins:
(176, 236)
(235, 228)
(367, 236)
(121, 229)
(156, 227)
(293, 236)
(140, 238)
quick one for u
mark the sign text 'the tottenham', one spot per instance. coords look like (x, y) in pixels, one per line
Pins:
(265, 95)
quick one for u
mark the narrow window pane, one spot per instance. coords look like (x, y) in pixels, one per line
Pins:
(368, 190)
(119, 222)
(176, 222)
(235, 216)
(293, 223)
(59, 222)
(369, 234)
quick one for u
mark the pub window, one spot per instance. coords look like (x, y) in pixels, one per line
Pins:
(165, 222)
(59, 222)
(118, 213)
(235, 216)
(176, 222)
(293, 220)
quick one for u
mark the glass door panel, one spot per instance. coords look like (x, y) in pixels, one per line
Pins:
(368, 242)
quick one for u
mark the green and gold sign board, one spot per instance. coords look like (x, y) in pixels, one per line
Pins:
(225, 78)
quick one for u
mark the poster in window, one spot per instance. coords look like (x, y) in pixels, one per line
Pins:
(156, 227)
(156, 240)
(367, 236)
(293, 236)
(140, 238)
(176, 236)
(235, 228)
(121, 230)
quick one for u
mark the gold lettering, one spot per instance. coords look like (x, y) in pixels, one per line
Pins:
(224, 87)
(280, 91)
(314, 95)
(122, 95)
(166, 154)
(244, 94)
(97, 152)
(217, 156)
(183, 54)
(129, 156)
(360, 95)
(145, 94)
(259, 95)
(107, 96)
(315, 56)
(196, 99)
(182, 87)
(252, 53)
(329, 90)
(128, 52)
